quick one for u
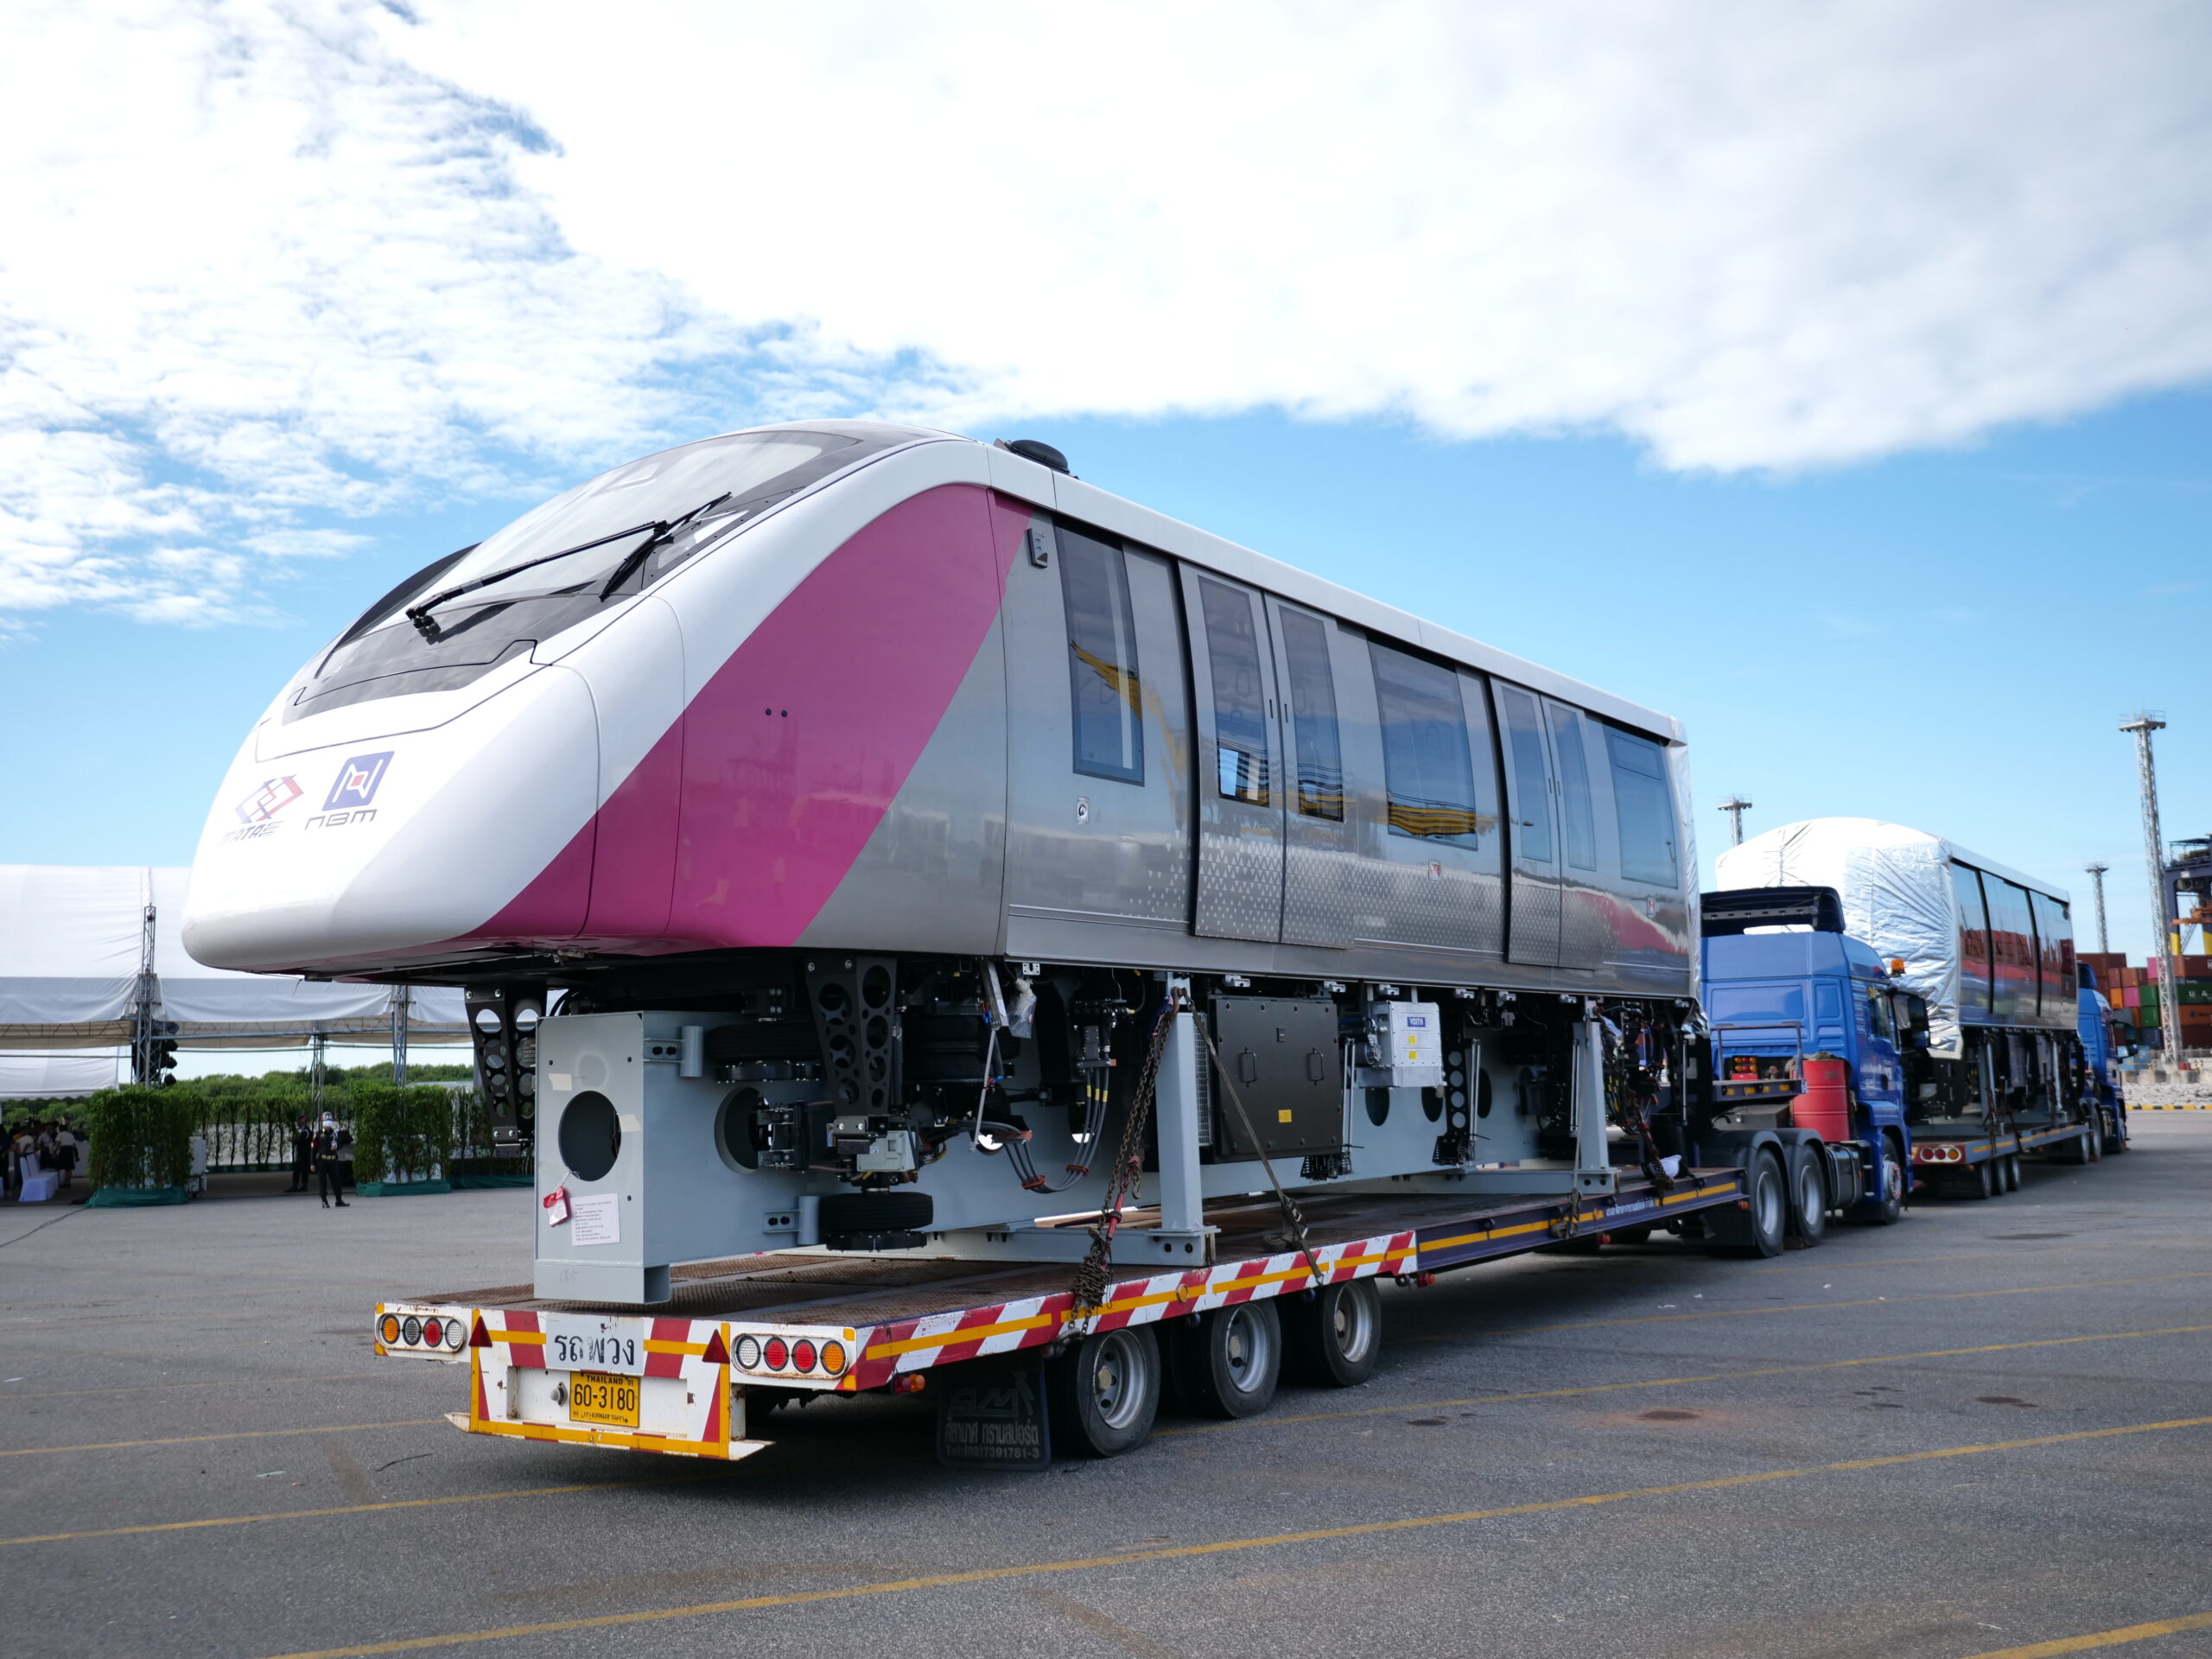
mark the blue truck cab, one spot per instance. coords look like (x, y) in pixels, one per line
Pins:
(1800, 988)
(2099, 1053)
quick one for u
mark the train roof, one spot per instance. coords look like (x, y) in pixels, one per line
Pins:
(1029, 481)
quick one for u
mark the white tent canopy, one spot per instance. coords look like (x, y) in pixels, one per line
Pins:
(80, 947)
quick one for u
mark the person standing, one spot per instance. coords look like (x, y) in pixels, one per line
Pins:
(302, 1155)
(65, 1152)
(326, 1161)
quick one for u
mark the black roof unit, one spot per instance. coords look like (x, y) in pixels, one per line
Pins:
(1741, 909)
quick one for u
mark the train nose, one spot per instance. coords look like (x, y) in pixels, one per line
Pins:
(369, 844)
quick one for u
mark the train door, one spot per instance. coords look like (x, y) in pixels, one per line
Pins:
(1585, 909)
(1531, 796)
(1242, 785)
(1319, 886)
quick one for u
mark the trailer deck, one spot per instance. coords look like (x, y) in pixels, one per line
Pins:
(673, 1378)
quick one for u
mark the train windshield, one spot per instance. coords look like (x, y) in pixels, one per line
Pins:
(551, 568)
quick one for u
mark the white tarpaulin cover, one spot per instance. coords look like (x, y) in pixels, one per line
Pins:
(50, 1077)
(72, 943)
(1897, 890)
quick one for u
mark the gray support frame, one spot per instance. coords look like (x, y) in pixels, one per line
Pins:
(1182, 1234)
(1593, 1169)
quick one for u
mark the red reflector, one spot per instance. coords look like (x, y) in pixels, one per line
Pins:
(912, 1382)
(715, 1354)
(778, 1355)
(434, 1333)
(803, 1355)
(480, 1338)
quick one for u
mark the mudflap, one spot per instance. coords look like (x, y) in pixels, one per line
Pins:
(993, 1416)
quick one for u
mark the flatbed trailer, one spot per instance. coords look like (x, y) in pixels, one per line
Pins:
(1982, 1164)
(677, 1379)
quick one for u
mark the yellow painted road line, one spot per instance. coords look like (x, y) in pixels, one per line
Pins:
(2119, 1637)
(345, 1508)
(1224, 1546)
(1268, 1418)
(202, 1440)
(1318, 1416)
(227, 1383)
(1798, 1308)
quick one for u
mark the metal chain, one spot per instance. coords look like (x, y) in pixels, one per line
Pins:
(1293, 1217)
(1127, 1169)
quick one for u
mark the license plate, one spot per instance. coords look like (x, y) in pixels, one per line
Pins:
(603, 1397)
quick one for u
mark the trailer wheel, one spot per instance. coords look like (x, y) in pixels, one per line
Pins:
(1225, 1364)
(1767, 1192)
(1978, 1182)
(1104, 1394)
(1808, 1199)
(2114, 1131)
(1335, 1339)
(2011, 1172)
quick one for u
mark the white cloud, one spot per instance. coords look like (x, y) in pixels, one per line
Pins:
(270, 266)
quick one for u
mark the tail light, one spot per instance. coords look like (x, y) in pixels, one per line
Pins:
(833, 1357)
(748, 1352)
(778, 1355)
(412, 1330)
(388, 1328)
(803, 1355)
(457, 1333)
(433, 1332)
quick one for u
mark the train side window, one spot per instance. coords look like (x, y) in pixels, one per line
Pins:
(1101, 658)
(1645, 809)
(1426, 771)
(1240, 700)
(1313, 715)
(1525, 745)
(1578, 823)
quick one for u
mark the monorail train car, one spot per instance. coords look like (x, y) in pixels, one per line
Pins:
(820, 813)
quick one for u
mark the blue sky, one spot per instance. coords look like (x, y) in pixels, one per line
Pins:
(1839, 379)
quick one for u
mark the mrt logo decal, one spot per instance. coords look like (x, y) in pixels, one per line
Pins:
(265, 803)
(357, 781)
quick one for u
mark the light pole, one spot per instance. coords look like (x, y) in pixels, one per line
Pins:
(2147, 774)
(1735, 806)
(2097, 874)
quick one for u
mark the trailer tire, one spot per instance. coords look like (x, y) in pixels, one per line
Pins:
(1334, 1339)
(2011, 1172)
(1808, 1197)
(1979, 1183)
(2115, 1135)
(1767, 1192)
(1104, 1393)
(1226, 1362)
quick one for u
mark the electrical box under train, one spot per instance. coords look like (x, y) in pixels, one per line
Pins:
(1285, 1059)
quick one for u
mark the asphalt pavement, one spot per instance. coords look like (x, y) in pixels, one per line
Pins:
(1986, 1430)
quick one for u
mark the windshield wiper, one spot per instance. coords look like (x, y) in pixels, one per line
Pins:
(638, 555)
(426, 624)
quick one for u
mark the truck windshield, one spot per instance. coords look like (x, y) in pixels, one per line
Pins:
(701, 491)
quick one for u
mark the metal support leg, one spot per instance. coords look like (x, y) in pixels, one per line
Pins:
(1593, 1167)
(1182, 1236)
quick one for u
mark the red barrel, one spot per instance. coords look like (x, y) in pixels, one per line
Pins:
(1825, 1105)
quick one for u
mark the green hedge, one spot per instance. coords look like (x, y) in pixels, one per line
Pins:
(140, 1136)
(403, 1134)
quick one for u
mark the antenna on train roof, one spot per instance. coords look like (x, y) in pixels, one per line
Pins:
(1043, 454)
